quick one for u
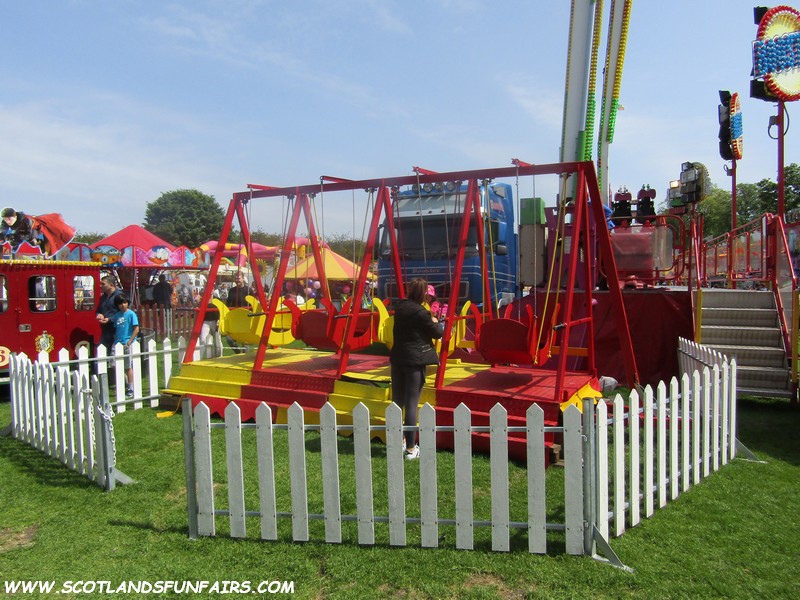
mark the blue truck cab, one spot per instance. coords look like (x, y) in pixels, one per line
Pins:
(427, 222)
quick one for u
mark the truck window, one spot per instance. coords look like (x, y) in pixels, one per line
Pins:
(83, 286)
(431, 239)
(3, 294)
(42, 293)
(495, 233)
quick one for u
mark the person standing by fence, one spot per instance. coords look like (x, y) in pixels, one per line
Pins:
(162, 294)
(209, 332)
(126, 328)
(414, 330)
(105, 309)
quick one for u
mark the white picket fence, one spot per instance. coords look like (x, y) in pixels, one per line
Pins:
(145, 369)
(693, 357)
(56, 411)
(614, 473)
(65, 410)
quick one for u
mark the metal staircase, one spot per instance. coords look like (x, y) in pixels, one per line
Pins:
(744, 324)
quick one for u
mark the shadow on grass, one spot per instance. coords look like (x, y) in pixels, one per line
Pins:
(769, 426)
(346, 446)
(148, 527)
(48, 471)
(446, 540)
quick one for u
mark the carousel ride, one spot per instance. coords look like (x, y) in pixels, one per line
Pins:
(536, 350)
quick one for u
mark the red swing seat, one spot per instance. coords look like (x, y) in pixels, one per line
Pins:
(509, 341)
(325, 328)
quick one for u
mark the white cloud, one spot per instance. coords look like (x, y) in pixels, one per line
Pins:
(225, 39)
(385, 18)
(100, 175)
(544, 105)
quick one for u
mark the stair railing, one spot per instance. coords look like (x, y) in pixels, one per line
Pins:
(739, 255)
(783, 282)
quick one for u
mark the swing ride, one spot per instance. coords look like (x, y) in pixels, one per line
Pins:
(537, 350)
(525, 319)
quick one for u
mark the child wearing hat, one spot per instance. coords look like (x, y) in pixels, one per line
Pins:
(432, 303)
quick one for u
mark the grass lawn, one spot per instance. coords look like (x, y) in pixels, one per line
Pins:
(736, 535)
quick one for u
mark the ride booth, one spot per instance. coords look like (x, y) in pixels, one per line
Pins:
(522, 354)
(136, 257)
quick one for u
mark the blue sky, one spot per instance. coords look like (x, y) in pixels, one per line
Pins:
(105, 105)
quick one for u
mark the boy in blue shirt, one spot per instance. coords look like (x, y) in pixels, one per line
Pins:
(126, 328)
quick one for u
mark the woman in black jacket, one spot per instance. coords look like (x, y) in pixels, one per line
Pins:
(414, 329)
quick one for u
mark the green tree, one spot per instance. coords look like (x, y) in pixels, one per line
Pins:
(90, 237)
(268, 239)
(752, 201)
(767, 196)
(791, 175)
(766, 192)
(748, 206)
(185, 218)
(716, 210)
(346, 246)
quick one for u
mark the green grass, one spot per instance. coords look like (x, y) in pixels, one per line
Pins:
(733, 536)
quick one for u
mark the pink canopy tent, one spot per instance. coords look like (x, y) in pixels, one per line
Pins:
(134, 246)
(238, 253)
(133, 235)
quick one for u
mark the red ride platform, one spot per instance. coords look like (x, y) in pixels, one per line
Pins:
(309, 378)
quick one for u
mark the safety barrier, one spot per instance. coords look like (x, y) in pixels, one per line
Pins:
(56, 411)
(153, 364)
(693, 356)
(167, 322)
(64, 409)
(614, 473)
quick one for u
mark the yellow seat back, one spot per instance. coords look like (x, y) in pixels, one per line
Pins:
(458, 333)
(242, 327)
(253, 303)
(385, 324)
(281, 333)
(223, 311)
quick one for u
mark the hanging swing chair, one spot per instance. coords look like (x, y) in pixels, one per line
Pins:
(506, 340)
(326, 328)
(523, 341)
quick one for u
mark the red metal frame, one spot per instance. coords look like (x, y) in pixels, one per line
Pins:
(472, 208)
(779, 241)
(734, 269)
(587, 198)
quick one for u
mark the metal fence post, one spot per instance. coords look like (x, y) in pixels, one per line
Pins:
(109, 451)
(589, 477)
(102, 436)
